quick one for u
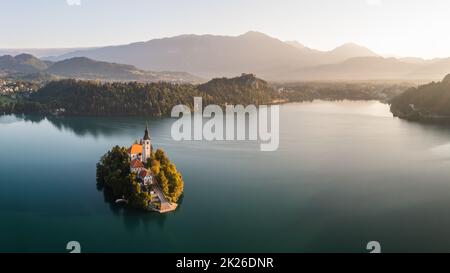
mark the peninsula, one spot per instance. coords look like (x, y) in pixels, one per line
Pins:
(429, 103)
(140, 177)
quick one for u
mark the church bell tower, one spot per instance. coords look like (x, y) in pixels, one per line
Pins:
(146, 146)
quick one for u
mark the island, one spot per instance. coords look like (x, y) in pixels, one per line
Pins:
(140, 178)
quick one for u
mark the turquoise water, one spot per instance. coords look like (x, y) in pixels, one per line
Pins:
(345, 173)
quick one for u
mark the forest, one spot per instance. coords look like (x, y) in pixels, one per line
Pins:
(368, 90)
(427, 103)
(92, 98)
(96, 98)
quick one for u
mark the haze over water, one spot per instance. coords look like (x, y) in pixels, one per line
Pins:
(346, 173)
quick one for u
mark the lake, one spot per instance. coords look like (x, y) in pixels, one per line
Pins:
(345, 173)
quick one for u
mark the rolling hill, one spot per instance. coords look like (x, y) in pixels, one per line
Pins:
(88, 69)
(23, 63)
(26, 66)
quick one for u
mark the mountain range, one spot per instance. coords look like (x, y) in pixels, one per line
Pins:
(212, 56)
(29, 67)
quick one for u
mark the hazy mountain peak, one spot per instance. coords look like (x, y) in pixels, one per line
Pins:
(90, 62)
(354, 49)
(296, 44)
(182, 36)
(24, 56)
(257, 34)
(349, 45)
(6, 57)
(23, 63)
(446, 78)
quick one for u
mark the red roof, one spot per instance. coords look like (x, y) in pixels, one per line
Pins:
(135, 149)
(136, 164)
(143, 173)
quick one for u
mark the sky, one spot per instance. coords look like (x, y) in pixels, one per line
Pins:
(418, 28)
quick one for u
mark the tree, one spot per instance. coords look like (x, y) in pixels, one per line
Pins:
(113, 172)
(168, 176)
(155, 166)
(160, 155)
(164, 182)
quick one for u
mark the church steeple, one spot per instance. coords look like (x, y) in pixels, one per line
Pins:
(146, 135)
(146, 146)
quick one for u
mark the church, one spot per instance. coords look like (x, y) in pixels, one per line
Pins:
(143, 150)
(139, 155)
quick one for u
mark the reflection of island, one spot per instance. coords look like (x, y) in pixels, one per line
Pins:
(132, 218)
(141, 178)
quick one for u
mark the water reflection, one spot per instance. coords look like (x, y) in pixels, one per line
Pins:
(88, 126)
(132, 218)
(10, 119)
(358, 176)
